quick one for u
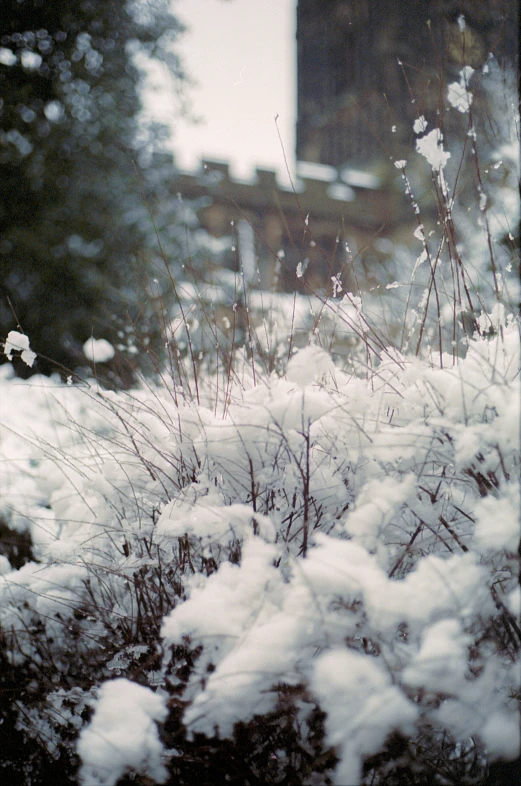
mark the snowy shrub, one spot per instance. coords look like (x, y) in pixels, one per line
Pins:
(277, 566)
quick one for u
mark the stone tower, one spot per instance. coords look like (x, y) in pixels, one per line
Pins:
(361, 63)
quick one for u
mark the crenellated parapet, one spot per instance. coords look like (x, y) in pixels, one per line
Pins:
(314, 219)
(358, 199)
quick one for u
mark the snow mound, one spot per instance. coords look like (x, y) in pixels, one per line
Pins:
(122, 736)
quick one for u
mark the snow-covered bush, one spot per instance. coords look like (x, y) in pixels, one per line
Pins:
(277, 566)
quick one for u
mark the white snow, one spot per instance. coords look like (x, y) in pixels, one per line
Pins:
(7, 56)
(18, 342)
(53, 111)
(98, 350)
(309, 364)
(383, 458)
(441, 662)
(458, 94)
(362, 705)
(122, 736)
(376, 504)
(30, 60)
(359, 179)
(498, 525)
(501, 735)
(430, 147)
(420, 125)
(341, 191)
(313, 171)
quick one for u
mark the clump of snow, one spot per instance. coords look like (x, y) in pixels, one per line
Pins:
(458, 93)
(494, 721)
(98, 350)
(232, 612)
(210, 522)
(377, 502)
(501, 735)
(498, 526)
(53, 111)
(7, 56)
(122, 736)
(420, 125)
(309, 364)
(18, 342)
(30, 60)
(363, 707)
(430, 147)
(441, 662)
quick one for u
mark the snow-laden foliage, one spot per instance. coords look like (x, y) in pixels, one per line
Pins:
(345, 540)
(276, 564)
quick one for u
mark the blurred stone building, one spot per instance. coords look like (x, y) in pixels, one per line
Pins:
(365, 70)
(368, 66)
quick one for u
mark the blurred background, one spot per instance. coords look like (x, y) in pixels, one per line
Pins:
(142, 170)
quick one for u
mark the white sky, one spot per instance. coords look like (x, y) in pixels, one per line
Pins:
(242, 55)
